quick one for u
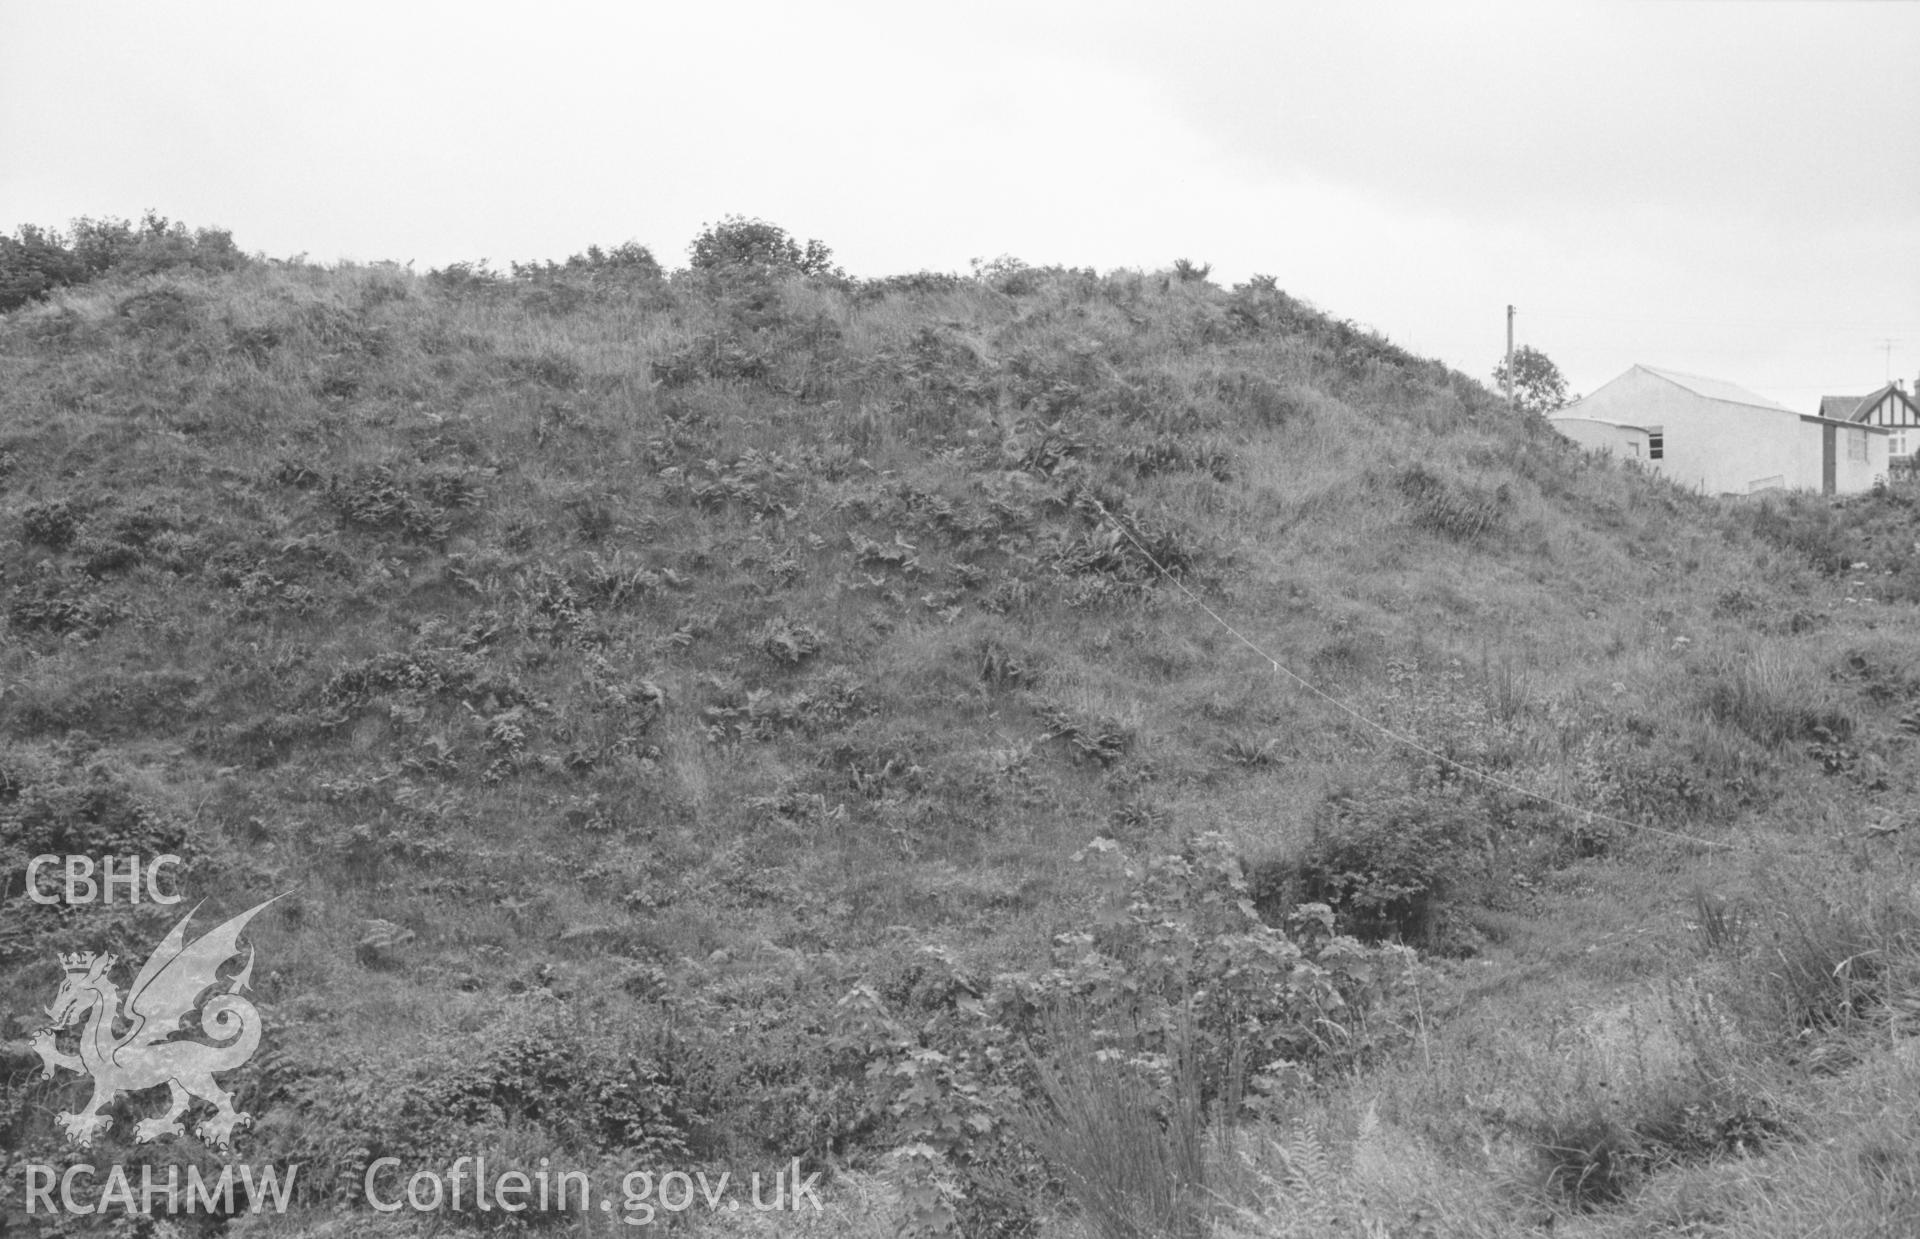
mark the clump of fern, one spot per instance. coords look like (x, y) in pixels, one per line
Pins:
(1302, 1187)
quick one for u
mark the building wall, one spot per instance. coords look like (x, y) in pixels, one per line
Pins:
(1721, 448)
(1707, 445)
(1859, 456)
(1629, 442)
(1810, 471)
(1880, 459)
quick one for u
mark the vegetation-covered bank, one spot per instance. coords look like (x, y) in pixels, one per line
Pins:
(716, 717)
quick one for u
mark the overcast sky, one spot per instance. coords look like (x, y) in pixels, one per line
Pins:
(1728, 189)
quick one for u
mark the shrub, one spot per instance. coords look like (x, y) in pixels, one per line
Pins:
(51, 524)
(1006, 274)
(1639, 776)
(1385, 861)
(739, 244)
(155, 244)
(629, 263)
(467, 279)
(569, 1079)
(34, 262)
(915, 283)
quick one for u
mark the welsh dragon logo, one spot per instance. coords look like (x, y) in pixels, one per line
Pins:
(147, 1054)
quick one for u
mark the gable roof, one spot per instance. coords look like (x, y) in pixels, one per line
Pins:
(1715, 389)
(1859, 408)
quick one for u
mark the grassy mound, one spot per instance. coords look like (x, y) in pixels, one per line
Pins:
(747, 713)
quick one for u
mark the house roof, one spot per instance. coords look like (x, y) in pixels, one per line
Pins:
(1602, 421)
(1841, 408)
(1715, 389)
(1858, 408)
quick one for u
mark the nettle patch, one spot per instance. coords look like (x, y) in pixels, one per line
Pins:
(1178, 976)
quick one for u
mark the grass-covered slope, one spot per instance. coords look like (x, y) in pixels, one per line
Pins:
(630, 677)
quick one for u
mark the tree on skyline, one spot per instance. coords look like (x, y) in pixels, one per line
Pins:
(1538, 386)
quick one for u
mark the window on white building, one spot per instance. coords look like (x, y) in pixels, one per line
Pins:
(1897, 441)
(1656, 446)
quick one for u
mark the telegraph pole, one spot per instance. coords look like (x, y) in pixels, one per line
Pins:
(1509, 359)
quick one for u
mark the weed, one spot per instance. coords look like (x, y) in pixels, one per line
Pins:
(1126, 1134)
(1455, 509)
(1721, 924)
(381, 500)
(1774, 699)
(1103, 740)
(786, 642)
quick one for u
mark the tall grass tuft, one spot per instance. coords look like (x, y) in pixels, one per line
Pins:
(1126, 1134)
(1830, 963)
(1774, 699)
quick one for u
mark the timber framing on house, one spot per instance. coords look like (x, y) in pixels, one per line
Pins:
(1891, 407)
